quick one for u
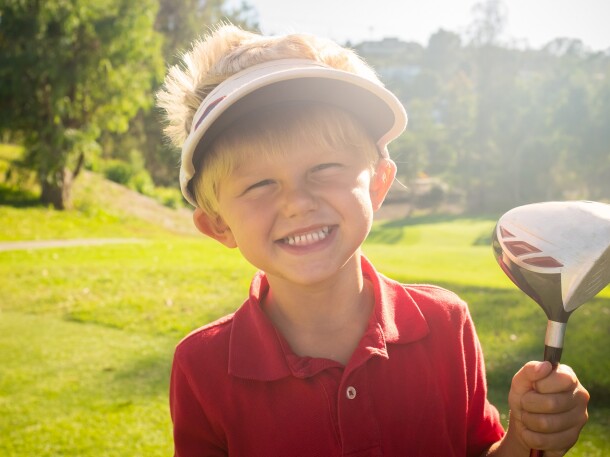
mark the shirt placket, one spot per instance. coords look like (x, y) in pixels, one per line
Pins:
(358, 425)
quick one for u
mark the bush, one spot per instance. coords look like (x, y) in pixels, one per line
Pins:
(134, 176)
(142, 182)
(168, 196)
(118, 171)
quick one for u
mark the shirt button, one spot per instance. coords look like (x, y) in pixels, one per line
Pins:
(350, 393)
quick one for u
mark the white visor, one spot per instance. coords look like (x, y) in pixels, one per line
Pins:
(287, 80)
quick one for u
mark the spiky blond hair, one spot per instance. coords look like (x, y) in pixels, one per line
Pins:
(228, 50)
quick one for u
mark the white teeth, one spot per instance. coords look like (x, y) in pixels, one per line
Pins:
(308, 238)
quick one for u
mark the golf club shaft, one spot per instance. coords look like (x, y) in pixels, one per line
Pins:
(553, 346)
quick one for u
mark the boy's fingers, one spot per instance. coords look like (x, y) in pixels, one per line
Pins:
(556, 442)
(556, 403)
(523, 382)
(557, 393)
(554, 422)
(527, 377)
(562, 379)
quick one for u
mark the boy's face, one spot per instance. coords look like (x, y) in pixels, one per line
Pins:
(299, 217)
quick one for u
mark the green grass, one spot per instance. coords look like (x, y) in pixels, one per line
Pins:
(38, 223)
(155, 287)
(87, 333)
(79, 389)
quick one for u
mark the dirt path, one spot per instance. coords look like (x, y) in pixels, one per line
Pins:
(46, 244)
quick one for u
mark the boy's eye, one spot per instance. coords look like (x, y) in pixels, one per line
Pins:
(327, 166)
(263, 183)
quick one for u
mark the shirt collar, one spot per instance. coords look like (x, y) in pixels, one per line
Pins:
(257, 351)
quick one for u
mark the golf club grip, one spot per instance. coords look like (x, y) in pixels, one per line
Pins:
(552, 355)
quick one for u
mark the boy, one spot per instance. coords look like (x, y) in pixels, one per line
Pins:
(284, 157)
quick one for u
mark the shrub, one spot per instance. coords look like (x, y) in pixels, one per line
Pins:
(118, 171)
(142, 182)
(168, 196)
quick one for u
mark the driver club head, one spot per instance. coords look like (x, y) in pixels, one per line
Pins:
(558, 253)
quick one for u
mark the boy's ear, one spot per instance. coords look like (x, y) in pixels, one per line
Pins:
(382, 181)
(214, 227)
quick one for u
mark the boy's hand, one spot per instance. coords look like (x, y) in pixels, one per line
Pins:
(548, 408)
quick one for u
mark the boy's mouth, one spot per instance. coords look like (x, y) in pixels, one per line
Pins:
(306, 239)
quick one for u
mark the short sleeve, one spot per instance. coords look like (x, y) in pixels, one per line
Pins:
(193, 434)
(484, 426)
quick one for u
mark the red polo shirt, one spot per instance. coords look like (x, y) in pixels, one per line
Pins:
(415, 386)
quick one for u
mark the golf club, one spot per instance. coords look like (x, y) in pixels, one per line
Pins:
(558, 253)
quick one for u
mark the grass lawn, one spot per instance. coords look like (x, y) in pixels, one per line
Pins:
(87, 333)
(77, 389)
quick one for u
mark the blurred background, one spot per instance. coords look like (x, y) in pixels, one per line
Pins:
(102, 273)
(509, 101)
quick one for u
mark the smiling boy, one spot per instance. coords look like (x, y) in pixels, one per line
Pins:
(284, 156)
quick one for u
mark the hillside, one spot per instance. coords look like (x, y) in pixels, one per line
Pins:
(92, 190)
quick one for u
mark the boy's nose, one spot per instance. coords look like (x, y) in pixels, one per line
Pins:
(297, 201)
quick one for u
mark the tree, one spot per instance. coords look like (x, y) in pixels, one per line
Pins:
(504, 126)
(490, 18)
(70, 69)
(179, 22)
(598, 140)
(492, 72)
(443, 53)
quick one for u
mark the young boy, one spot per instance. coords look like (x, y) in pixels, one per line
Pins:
(284, 157)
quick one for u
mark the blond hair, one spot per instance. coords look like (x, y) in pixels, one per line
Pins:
(274, 132)
(229, 50)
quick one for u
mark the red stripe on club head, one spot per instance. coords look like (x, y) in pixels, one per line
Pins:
(543, 262)
(505, 233)
(519, 248)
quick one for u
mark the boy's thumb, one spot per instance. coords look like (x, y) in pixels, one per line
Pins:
(526, 377)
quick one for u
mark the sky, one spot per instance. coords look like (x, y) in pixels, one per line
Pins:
(530, 23)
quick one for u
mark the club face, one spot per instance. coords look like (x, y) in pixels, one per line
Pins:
(556, 252)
